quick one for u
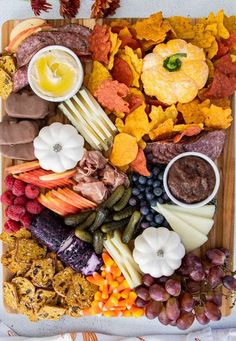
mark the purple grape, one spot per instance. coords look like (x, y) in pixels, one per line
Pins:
(140, 303)
(216, 256)
(193, 286)
(148, 280)
(212, 311)
(158, 293)
(163, 318)
(197, 275)
(153, 309)
(143, 293)
(173, 287)
(172, 309)
(185, 320)
(229, 282)
(200, 315)
(187, 302)
(215, 276)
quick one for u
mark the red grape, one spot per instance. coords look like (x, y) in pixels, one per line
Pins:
(193, 286)
(140, 303)
(229, 282)
(226, 252)
(192, 261)
(187, 302)
(143, 293)
(158, 293)
(200, 315)
(216, 256)
(217, 298)
(185, 320)
(162, 280)
(173, 287)
(215, 276)
(148, 280)
(172, 308)
(153, 309)
(212, 311)
(163, 318)
(173, 323)
(197, 275)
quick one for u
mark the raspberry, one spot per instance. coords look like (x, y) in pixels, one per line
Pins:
(11, 226)
(26, 220)
(15, 212)
(7, 198)
(18, 188)
(9, 182)
(22, 200)
(34, 207)
(32, 191)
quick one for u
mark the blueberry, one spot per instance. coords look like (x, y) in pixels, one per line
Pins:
(142, 180)
(150, 196)
(148, 189)
(132, 201)
(160, 200)
(143, 202)
(153, 202)
(149, 182)
(160, 176)
(158, 219)
(165, 197)
(156, 171)
(144, 210)
(135, 177)
(156, 183)
(157, 191)
(141, 196)
(149, 157)
(144, 224)
(135, 191)
(149, 217)
(141, 188)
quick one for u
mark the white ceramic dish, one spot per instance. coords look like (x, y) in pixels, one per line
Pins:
(77, 85)
(200, 203)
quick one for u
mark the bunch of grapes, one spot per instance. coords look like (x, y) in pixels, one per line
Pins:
(194, 291)
(147, 191)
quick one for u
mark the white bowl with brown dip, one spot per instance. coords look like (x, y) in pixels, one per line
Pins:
(191, 180)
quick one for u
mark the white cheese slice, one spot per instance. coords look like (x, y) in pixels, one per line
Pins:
(206, 211)
(201, 224)
(191, 238)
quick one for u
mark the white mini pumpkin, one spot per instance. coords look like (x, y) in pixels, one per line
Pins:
(58, 147)
(158, 251)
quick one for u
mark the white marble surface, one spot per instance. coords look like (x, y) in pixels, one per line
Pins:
(19, 9)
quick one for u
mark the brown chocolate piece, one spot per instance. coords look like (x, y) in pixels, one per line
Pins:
(12, 133)
(19, 151)
(28, 105)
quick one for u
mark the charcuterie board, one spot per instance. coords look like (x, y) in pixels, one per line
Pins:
(222, 234)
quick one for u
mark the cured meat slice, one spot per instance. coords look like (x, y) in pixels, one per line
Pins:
(18, 132)
(209, 143)
(34, 43)
(20, 79)
(23, 151)
(77, 29)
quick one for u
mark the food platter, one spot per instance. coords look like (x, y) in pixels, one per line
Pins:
(222, 233)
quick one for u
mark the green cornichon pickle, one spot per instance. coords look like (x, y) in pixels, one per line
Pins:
(124, 200)
(99, 220)
(98, 238)
(114, 197)
(130, 228)
(125, 213)
(88, 222)
(115, 225)
(84, 235)
(75, 219)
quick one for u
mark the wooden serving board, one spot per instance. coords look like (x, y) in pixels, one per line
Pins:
(222, 234)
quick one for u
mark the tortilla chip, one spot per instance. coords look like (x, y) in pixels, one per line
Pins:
(217, 117)
(158, 115)
(137, 123)
(191, 111)
(98, 75)
(124, 150)
(164, 130)
(134, 62)
(182, 27)
(115, 45)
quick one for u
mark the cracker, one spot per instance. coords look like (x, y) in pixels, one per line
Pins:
(62, 281)
(8, 65)
(6, 84)
(24, 287)
(44, 297)
(50, 313)
(10, 295)
(42, 272)
(28, 250)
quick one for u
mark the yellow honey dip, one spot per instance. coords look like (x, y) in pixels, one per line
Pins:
(55, 73)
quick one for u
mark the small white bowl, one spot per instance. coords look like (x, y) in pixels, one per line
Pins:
(200, 203)
(80, 71)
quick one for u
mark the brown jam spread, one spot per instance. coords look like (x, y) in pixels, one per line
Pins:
(191, 179)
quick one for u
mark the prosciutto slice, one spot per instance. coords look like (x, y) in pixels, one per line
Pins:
(95, 191)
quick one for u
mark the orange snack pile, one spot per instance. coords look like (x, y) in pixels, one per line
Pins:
(114, 297)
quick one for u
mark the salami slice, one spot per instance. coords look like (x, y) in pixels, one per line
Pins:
(77, 29)
(20, 78)
(209, 143)
(31, 45)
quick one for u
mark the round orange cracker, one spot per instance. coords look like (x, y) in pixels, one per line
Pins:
(124, 150)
